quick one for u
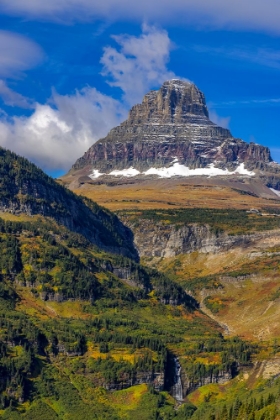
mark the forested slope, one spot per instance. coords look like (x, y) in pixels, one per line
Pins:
(88, 333)
(24, 188)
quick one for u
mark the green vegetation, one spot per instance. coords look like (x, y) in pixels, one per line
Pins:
(261, 403)
(60, 265)
(232, 221)
(121, 334)
(88, 333)
(214, 304)
(24, 188)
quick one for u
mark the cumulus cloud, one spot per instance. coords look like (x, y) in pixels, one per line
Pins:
(17, 54)
(140, 63)
(238, 14)
(55, 136)
(59, 132)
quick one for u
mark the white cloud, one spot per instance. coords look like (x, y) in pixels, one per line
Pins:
(238, 14)
(217, 119)
(262, 56)
(54, 137)
(17, 54)
(12, 98)
(248, 103)
(59, 132)
(140, 64)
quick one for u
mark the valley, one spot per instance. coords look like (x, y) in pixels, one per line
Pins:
(143, 296)
(227, 259)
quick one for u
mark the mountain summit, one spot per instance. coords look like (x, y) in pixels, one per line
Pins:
(170, 134)
(176, 102)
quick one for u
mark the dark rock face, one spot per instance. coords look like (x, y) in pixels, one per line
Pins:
(172, 122)
(155, 379)
(220, 377)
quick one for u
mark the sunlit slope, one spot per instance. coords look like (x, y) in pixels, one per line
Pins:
(239, 288)
(202, 192)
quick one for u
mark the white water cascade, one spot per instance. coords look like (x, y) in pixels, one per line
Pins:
(177, 387)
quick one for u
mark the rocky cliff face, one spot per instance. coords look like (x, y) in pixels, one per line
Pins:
(184, 384)
(219, 377)
(155, 379)
(171, 125)
(165, 241)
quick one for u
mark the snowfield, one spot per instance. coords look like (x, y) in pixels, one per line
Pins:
(182, 170)
(176, 170)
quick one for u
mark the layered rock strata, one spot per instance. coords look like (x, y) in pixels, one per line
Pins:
(167, 241)
(171, 125)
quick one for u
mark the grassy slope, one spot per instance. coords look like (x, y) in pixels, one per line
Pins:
(239, 288)
(175, 193)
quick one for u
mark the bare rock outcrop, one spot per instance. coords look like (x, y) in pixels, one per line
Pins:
(168, 240)
(170, 123)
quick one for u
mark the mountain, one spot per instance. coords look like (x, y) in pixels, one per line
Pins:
(170, 134)
(87, 332)
(90, 334)
(24, 188)
(204, 210)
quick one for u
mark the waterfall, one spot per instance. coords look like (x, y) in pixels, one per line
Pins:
(177, 387)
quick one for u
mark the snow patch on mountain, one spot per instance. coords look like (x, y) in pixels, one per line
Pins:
(182, 170)
(96, 174)
(125, 172)
(177, 170)
(275, 191)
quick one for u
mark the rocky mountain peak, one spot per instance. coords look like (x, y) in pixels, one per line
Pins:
(170, 134)
(177, 101)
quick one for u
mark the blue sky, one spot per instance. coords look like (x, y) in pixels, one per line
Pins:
(70, 71)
